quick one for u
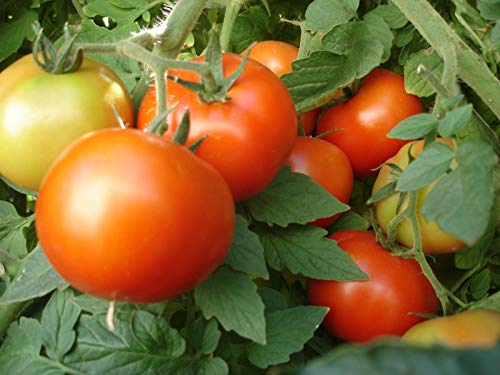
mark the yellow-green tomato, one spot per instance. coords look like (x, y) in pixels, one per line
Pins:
(474, 328)
(42, 113)
(434, 240)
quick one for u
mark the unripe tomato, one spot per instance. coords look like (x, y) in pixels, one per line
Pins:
(433, 239)
(42, 113)
(327, 165)
(249, 135)
(384, 304)
(278, 57)
(363, 122)
(127, 215)
(473, 328)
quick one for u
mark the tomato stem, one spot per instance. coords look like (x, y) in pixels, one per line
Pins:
(232, 9)
(9, 313)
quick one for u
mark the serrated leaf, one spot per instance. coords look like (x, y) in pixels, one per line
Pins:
(273, 300)
(58, 319)
(349, 220)
(431, 163)
(414, 127)
(455, 120)
(304, 250)
(96, 305)
(317, 78)
(480, 284)
(209, 366)
(287, 332)
(12, 228)
(391, 14)
(489, 9)
(204, 335)
(123, 11)
(379, 29)
(414, 83)
(293, 198)
(13, 34)
(355, 41)
(36, 278)
(250, 25)
(461, 202)
(20, 352)
(232, 298)
(322, 15)
(246, 253)
(140, 344)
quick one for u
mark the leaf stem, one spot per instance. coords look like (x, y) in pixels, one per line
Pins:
(79, 9)
(233, 7)
(9, 313)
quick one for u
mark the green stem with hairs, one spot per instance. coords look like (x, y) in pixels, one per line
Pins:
(233, 7)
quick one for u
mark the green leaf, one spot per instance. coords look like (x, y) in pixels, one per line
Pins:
(232, 298)
(317, 78)
(431, 163)
(209, 366)
(204, 335)
(461, 202)
(355, 41)
(414, 83)
(293, 198)
(122, 11)
(469, 257)
(404, 36)
(392, 357)
(489, 9)
(379, 30)
(391, 14)
(495, 33)
(36, 278)
(12, 228)
(20, 352)
(246, 253)
(283, 341)
(274, 300)
(140, 344)
(480, 284)
(304, 250)
(454, 121)
(58, 319)
(13, 34)
(250, 26)
(96, 305)
(384, 192)
(414, 127)
(349, 220)
(322, 15)
(492, 303)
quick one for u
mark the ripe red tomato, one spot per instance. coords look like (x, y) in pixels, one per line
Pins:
(364, 121)
(278, 57)
(382, 305)
(127, 215)
(433, 239)
(473, 328)
(327, 165)
(42, 113)
(250, 135)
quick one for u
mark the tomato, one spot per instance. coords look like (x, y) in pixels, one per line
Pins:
(250, 135)
(361, 311)
(363, 122)
(433, 239)
(327, 165)
(473, 328)
(42, 113)
(278, 57)
(127, 215)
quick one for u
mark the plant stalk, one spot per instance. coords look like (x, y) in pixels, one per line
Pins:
(233, 7)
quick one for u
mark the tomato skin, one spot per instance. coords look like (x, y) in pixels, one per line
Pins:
(467, 329)
(249, 136)
(327, 165)
(128, 215)
(42, 113)
(433, 239)
(380, 104)
(361, 311)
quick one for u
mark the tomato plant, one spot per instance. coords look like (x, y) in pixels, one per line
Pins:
(42, 113)
(121, 232)
(363, 122)
(384, 304)
(473, 328)
(327, 165)
(434, 240)
(249, 135)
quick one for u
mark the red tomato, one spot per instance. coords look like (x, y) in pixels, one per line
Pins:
(278, 57)
(250, 135)
(361, 311)
(364, 121)
(127, 215)
(327, 165)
